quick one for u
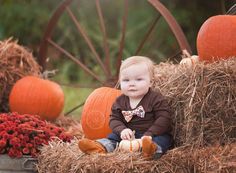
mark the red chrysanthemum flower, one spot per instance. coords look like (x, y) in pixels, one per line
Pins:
(26, 150)
(3, 143)
(24, 134)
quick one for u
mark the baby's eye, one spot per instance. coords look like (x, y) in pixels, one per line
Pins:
(125, 80)
(139, 79)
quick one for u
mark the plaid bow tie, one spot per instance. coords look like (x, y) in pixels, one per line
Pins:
(128, 115)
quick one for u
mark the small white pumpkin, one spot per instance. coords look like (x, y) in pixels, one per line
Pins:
(189, 62)
(130, 145)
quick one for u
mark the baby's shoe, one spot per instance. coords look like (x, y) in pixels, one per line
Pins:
(149, 148)
(89, 146)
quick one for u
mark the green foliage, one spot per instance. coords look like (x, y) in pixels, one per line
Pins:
(26, 20)
(159, 45)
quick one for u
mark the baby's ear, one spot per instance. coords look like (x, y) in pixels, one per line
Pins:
(117, 86)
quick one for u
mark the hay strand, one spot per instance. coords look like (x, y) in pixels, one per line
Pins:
(203, 99)
(15, 62)
(71, 125)
(204, 102)
(63, 157)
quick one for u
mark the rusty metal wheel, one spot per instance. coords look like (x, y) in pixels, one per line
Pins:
(92, 46)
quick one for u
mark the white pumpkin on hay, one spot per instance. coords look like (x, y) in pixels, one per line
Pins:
(133, 145)
(189, 62)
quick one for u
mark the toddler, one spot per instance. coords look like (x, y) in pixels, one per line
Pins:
(138, 109)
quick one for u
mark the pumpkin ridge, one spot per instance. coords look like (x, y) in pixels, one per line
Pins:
(130, 146)
(46, 105)
(98, 106)
(55, 101)
(139, 145)
(29, 105)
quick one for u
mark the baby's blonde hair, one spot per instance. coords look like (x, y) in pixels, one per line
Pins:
(137, 60)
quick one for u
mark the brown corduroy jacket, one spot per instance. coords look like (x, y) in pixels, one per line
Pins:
(157, 119)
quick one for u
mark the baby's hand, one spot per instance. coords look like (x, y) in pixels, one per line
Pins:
(126, 134)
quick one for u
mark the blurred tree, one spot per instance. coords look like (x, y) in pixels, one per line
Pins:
(192, 14)
(25, 20)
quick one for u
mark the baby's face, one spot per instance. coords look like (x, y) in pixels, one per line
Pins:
(135, 80)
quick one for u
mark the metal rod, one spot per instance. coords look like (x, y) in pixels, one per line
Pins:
(174, 26)
(122, 41)
(104, 33)
(73, 109)
(75, 60)
(87, 40)
(147, 34)
(50, 27)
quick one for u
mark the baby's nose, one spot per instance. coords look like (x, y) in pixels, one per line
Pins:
(132, 83)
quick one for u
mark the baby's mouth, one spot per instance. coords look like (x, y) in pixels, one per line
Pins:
(132, 90)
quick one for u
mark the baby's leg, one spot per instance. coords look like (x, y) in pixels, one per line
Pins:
(154, 148)
(89, 146)
(164, 142)
(111, 142)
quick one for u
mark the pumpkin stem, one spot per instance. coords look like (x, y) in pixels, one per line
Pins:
(185, 54)
(48, 74)
(133, 136)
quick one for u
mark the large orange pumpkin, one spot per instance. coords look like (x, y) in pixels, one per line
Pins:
(216, 38)
(96, 112)
(33, 95)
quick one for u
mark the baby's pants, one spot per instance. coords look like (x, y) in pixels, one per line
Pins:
(164, 142)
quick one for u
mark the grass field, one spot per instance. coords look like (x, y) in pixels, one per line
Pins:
(73, 98)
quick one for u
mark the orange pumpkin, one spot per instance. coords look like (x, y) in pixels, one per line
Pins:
(96, 112)
(216, 38)
(33, 95)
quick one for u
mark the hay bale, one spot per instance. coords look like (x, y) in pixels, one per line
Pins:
(63, 157)
(203, 99)
(204, 104)
(15, 62)
(71, 125)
